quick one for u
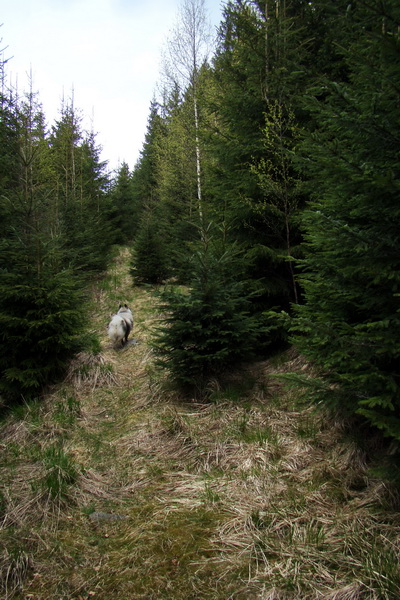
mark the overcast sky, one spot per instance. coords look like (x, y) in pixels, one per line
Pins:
(107, 51)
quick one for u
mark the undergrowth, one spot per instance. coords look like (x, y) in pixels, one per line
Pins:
(113, 486)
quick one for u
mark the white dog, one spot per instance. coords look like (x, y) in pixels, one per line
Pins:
(120, 326)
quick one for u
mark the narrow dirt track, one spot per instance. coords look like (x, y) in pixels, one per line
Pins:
(246, 497)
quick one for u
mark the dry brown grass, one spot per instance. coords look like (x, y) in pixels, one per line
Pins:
(248, 497)
(91, 371)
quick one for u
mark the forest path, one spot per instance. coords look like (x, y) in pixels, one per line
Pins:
(156, 497)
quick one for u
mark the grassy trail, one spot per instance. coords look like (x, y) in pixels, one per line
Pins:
(247, 497)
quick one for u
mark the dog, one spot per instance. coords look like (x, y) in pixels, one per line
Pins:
(120, 326)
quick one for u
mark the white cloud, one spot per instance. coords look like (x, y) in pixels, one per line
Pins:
(108, 51)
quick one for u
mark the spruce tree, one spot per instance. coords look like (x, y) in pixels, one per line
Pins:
(41, 309)
(94, 212)
(80, 193)
(9, 144)
(177, 185)
(209, 327)
(124, 210)
(149, 263)
(145, 176)
(349, 325)
(259, 75)
(42, 321)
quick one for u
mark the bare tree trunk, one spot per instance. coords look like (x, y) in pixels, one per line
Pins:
(266, 74)
(198, 160)
(187, 51)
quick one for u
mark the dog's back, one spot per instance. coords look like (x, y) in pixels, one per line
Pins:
(126, 314)
(120, 326)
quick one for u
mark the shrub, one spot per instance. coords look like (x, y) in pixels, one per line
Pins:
(209, 327)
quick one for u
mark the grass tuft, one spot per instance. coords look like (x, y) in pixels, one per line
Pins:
(14, 571)
(91, 371)
(60, 473)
